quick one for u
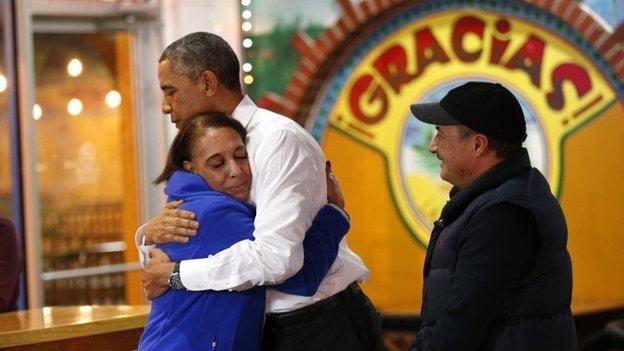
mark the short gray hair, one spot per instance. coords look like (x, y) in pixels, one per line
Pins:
(197, 52)
(503, 148)
(465, 132)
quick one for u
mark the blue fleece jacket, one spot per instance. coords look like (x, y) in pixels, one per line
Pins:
(229, 320)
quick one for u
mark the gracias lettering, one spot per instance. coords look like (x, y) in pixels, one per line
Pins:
(392, 65)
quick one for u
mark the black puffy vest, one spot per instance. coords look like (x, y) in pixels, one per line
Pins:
(536, 313)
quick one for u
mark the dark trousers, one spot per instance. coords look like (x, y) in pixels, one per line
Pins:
(344, 322)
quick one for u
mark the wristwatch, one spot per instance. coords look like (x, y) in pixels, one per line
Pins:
(174, 280)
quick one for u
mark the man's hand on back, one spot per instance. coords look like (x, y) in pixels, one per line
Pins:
(334, 193)
(171, 224)
(155, 275)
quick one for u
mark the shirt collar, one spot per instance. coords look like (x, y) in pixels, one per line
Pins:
(244, 111)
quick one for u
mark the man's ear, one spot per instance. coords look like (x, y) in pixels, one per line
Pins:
(188, 166)
(211, 83)
(480, 144)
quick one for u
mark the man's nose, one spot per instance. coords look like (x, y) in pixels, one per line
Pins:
(432, 147)
(166, 108)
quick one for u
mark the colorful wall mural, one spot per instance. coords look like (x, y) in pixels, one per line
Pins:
(355, 78)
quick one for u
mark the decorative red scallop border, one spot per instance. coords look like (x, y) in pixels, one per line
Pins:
(319, 56)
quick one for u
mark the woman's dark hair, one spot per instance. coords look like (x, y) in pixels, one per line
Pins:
(184, 142)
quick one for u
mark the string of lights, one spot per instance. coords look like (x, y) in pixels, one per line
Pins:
(75, 105)
(247, 43)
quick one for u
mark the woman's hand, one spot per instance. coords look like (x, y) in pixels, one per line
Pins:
(334, 193)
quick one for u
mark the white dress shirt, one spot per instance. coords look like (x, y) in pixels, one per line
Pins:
(288, 188)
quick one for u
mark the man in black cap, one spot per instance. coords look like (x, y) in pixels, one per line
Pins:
(497, 274)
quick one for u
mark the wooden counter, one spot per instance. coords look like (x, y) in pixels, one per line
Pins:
(587, 306)
(66, 328)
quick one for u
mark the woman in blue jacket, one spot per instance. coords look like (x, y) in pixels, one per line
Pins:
(207, 167)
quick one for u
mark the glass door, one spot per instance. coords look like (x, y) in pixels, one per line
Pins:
(86, 167)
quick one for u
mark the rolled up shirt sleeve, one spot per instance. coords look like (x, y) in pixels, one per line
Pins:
(289, 180)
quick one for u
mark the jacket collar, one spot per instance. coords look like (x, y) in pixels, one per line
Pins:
(182, 184)
(504, 170)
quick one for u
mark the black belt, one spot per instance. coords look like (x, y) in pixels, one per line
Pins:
(312, 311)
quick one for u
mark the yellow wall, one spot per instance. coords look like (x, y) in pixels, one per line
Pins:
(377, 233)
(593, 201)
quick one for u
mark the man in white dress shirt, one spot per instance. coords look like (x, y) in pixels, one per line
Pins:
(200, 73)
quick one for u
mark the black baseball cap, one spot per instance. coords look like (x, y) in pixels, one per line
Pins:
(487, 108)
